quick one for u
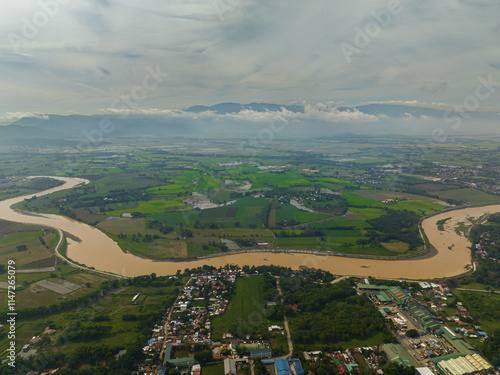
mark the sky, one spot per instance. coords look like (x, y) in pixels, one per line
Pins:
(107, 56)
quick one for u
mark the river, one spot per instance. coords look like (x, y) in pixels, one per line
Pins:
(95, 249)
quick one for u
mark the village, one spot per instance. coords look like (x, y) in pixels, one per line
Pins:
(428, 335)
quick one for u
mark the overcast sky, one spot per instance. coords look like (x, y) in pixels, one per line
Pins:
(81, 56)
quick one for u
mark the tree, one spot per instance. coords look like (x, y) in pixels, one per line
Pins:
(204, 356)
(21, 247)
(412, 333)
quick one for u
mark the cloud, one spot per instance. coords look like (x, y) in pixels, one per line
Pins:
(411, 103)
(14, 116)
(91, 52)
(326, 112)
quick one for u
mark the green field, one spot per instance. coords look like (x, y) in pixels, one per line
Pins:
(484, 307)
(151, 207)
(469, 195)
(246, 211)
(217, 369)
(245, 312)
(367, 213)
(341, 222)
(111, 308)
(358, 200)
(289, 212)
(298, 242)
(380, 195)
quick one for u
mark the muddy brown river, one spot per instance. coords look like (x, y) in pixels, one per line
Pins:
(95, 249)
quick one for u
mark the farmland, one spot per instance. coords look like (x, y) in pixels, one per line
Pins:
(111, 314)
(246, 309)
(158, 203)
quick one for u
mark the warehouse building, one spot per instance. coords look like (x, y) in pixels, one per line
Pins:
(383, 297)
(261, 353)
(460, 345)
(282, 367)
(398, 294)
(297, 366)
(423, 317)
(396, 353)
(423, 371)
(479, 362)
(457, 366)
(182, 362)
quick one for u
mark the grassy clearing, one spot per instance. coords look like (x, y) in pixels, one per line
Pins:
(298, 242)
(422, 207)
(484, 307)
(469, 195)
(280, 179)
(13, 235)
(164, 247)
(341, 222)
(367, 213)
(247, 303)
(380, 195)
(112, 308)
(196, 248)
(217, 369)
(358, 200)
(396, 246)
(289, 212)
(154, 206)
(29, 295)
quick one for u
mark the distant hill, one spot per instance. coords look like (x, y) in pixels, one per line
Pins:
(392, 118)
(225, 108)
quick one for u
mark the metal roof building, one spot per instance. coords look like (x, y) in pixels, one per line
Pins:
(457, 366)
(462, 346)
(399, 295)
(383, 297)
(282, 367)
(167, 354)
(478, 362)
(297, 366)
(261, 353)
(372, 287)
(396, 352)
(423, 371)
(182, 362)
(229, 366)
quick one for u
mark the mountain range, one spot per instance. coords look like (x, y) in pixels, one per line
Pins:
(233, 120)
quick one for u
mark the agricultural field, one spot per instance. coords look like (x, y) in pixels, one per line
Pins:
(344, 182)
(468, 195)
(290, 215)
(246, 309)
(113, 315)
